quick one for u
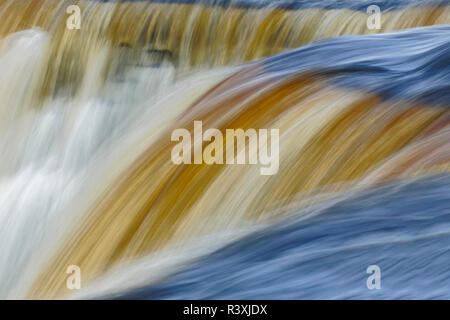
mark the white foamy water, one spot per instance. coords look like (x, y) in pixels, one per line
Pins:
(49, 152)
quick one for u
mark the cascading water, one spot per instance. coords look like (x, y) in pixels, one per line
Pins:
(86, 117)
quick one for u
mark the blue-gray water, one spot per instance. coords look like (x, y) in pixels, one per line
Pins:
(402, 228)
(305, 4)
(413, 64)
